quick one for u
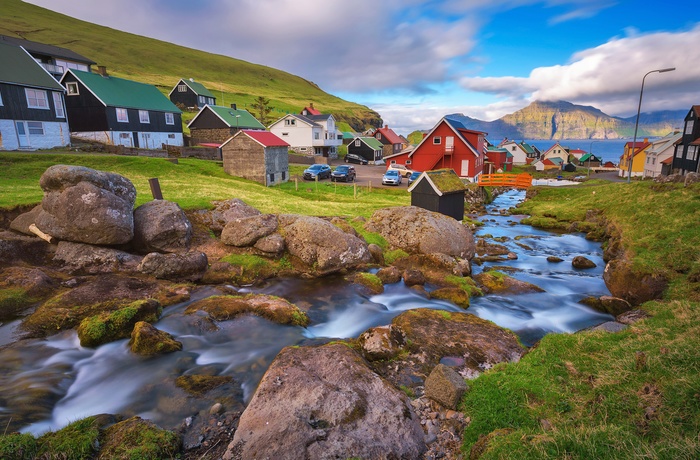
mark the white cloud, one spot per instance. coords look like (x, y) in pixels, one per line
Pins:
(609, 76)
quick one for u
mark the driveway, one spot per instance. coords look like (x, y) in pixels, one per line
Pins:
(369, 173)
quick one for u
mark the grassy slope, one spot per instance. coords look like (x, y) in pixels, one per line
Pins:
(163, 64)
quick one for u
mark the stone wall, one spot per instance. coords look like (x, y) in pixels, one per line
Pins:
(213, 136)
(243, 157)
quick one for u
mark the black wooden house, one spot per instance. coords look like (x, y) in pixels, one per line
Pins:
(190, 93)
(368, 148)
(120, 112)
(440, 190)
(686, 157)
(54, 59)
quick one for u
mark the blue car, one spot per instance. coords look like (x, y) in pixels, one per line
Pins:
(317, 171)
(414, 175)
(391, 177)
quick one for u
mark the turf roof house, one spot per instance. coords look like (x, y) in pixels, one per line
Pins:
(54, 59)
(119, 111)
(368, 148)
(439, 191)
(215, 124)
(257, 155)
(309, 133)
(687, 156)
(32, 106)
(190, 94)
(448, 145)
(392, 142)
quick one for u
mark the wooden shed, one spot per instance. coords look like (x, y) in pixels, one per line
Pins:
(441, 191)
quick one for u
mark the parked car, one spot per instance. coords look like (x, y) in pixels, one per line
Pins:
(357, 159)
(414, 175)
(391, 177)
(346, 173)
(404, 171)
(319, 171)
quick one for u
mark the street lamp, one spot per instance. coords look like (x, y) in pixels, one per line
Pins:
(636, 124)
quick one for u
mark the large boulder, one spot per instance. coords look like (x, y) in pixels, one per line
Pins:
(86, 206)
(161, 226)
(86, 259)
(147, 340)
(494, 282)
(225, 212)
(419, 231)
(16, 248)
(188, 266)
(321, 245)
(246, 231)
(22, 222)
(626, 283)
(345, 411)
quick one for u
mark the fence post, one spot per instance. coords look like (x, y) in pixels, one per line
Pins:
(155, 188)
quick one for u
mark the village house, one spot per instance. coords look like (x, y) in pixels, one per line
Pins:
(557, 151)
(545, 164)
(448, 145)
(54, 59)
(257, 155)
(636, 153)
(368, 148)
(309, 133)
(191, 94)
(498, 159)
(687, 155)
(392, 142)
(215, 124)
(439, 191)
(589, 161)
(117, 111)
(32, 105)
(660, 151)
(517, 151)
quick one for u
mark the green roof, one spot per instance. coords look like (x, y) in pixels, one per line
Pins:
(445, 180)
(348, 135)
(373, 143)
(527, 147)
(18, 67)
(245, 119)
(129, 94)
(198, 88)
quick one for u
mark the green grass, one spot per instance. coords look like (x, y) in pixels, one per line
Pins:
(163, 64)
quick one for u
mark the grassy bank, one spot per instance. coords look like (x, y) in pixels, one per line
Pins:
(195, 184)
(633, 394)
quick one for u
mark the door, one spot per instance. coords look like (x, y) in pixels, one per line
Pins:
(465, 169)
(22, 136)
(449, 145)
(135, 137)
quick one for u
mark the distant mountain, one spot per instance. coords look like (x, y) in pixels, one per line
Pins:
(564, 120)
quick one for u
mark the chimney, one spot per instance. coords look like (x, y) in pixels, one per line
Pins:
(102, 70)
(311, 104)
(646, 140)
(233, 106)
(386, 126)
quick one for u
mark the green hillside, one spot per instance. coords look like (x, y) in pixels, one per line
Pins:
(163, 64)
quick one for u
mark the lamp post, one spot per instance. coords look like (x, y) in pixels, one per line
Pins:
(636, 123)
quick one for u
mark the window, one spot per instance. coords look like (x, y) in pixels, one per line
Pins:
(35, 127)
(272, 177)
(72, 88)
(437, 140)
(122, 115)
(181, 88)
(125, 135)
(303, 149)
(358, 143)
(284, 175)
(143, 116)
(58, 105)
(171, 136)
(285, 134)
(316, 136)
(169, 118)
(201, 100)
(37, 99)
(408, 162)
(689, 126)
(0, 99)
(379, 136)
(290, 122)
(692, 153)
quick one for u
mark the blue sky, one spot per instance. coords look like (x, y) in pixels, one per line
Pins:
(414, 61)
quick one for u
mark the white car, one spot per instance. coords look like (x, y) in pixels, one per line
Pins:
(403, 170)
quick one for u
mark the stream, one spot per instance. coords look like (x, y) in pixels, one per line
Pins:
(47, 383)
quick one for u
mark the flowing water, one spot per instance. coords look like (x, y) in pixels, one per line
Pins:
(46, 384)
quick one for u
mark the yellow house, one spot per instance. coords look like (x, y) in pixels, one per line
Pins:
(638, 153)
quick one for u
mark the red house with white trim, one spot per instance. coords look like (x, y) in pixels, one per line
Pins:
(448, 145)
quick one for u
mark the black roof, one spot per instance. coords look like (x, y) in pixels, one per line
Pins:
(48, 50)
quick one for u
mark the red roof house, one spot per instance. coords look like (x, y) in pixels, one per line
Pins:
(393, 143)
(448, 145)
(257, 155)
(310, 110)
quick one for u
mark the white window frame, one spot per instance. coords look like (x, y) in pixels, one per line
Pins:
(358, 143)
(40, 98)
(122, 115)
(0, 99)
(290, 122)
(144, 117)
(58, 105)
(37, 126)
(124, 135)
(437, 140)
(689, 126)
(169, 118)
(181, 88)
(73, 88)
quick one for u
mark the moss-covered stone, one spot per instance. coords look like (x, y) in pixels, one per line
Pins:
(136, 438)
(455, 295)
(16, 446)
(12, 302)
(146, 340)
(497, 282)
(276, 309)
(369, 281)
(198, 385)
(78, 441)
(110, 326)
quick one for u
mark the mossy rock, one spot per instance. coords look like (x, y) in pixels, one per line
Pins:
(78, 441)
(198, 385)
(136, 438)
(370, 281)
(110, 326)
(146, 340)
(16, 446)
(13, 302)
(455, 295)
(494, 282)
(227, 307)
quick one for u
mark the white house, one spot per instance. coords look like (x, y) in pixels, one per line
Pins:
(557, 151)
(660, 150)
(515, 149)
(309, 133)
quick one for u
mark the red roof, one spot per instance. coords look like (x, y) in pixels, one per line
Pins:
(311, 111)
(266, 138)
(667, 161)
(548, 162)
(577, 151)
(696, 141)
(390, 135)
(209, 144)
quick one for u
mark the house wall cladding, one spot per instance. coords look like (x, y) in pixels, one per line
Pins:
(245, 158)
(15, 107)
(277, 165)
(210, 135)
(55, 135)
